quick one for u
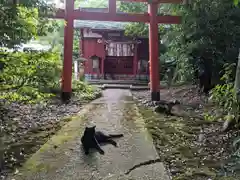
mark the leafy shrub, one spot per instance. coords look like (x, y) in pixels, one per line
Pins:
(34, 77)
(29, 77)
(224, 97)
(85, 91)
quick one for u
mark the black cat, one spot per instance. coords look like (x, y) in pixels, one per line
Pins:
(93, 139)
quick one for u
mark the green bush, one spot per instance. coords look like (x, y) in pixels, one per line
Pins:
(85, 91)
(34, 77)
(29, 77)
(224, 97)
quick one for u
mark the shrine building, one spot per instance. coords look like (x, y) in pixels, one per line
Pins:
(109, 53)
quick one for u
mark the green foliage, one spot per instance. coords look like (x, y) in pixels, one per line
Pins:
(210, 31)
(236, 2)
(85, 91)
(29, 77)
(141, 29)
(22, 22)
(92, 3)
(76, 44)
(135, 29)
(34, 77)
(56, 38)
(224, 97)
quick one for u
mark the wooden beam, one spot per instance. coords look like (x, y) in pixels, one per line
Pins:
(98, 16)
(156, 1)
(169, 19)
(112, 6)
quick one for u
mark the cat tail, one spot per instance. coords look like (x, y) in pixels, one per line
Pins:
(115, 135)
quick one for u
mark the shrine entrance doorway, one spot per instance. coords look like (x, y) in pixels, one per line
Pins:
(118, 65)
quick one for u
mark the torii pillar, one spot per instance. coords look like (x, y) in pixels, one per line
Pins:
(153, 51)
(68, 50)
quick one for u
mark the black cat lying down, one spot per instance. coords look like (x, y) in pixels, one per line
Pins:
(93, 139)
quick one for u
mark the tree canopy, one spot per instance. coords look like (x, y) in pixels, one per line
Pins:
(209, 30)
(23, 21)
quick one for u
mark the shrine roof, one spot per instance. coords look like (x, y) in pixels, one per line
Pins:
(99, 25)
(104, 25)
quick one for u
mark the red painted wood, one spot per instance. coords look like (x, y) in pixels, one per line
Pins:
(102, 65)
(81, 42)
(153, 48)
(68, 48)
(98, 16)
(119, 65)
(143, 49)
(112, 6)
(168, 19)
(135, 60)
(93, 48)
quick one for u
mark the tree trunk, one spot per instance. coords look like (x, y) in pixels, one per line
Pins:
(237, 79)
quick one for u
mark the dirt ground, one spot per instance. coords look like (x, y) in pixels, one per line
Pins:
(191, 147)
(25, 128)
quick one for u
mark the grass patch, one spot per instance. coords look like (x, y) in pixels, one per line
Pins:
(176, 140)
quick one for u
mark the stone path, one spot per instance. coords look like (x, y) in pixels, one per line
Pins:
(115, 112)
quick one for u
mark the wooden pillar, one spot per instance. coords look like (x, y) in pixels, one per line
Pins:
(153, 52)
(135, 60)
(112, 6)
(81, 44)
(68, 50)
(102, 66)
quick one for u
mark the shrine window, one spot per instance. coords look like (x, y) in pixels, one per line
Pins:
(120, 49)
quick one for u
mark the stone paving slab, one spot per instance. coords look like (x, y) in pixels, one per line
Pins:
(139, 88)
(102, 81)
(122, 86)
(115, 86)
(111, 114)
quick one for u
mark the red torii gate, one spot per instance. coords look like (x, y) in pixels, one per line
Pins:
(70, 14)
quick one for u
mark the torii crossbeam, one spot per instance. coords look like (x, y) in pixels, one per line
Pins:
(70, 14)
